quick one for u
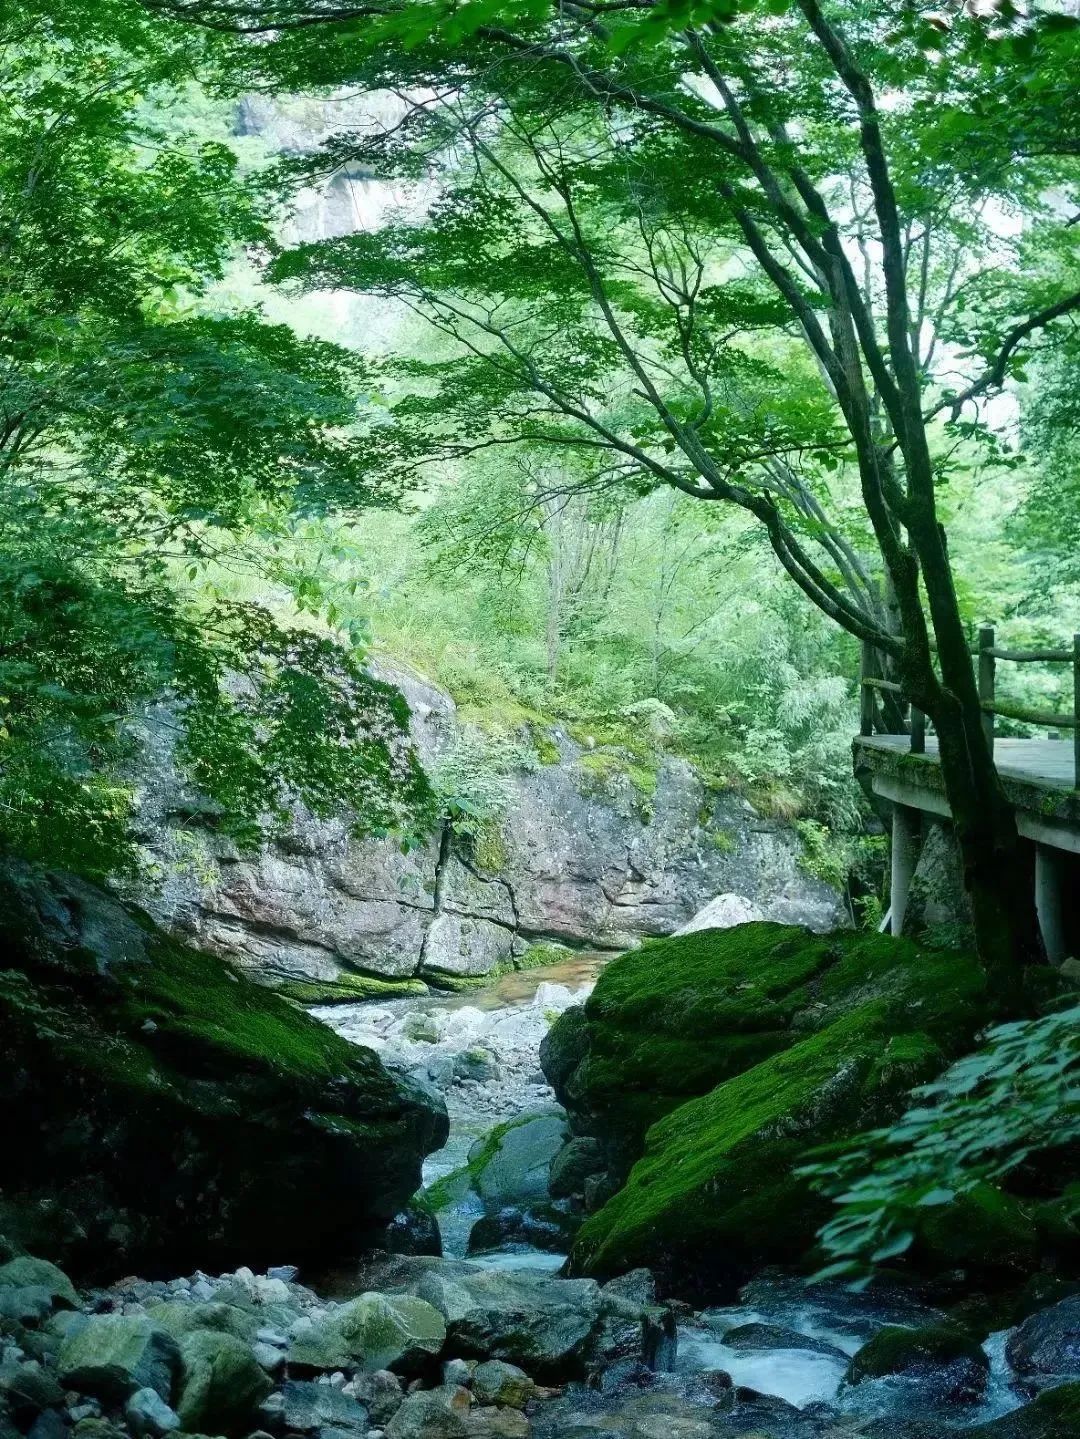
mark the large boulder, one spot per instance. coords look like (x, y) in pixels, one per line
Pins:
(544, 1325)
(25, 1272)
(432, 1414)
(221, 1384)
(952, 1366)
(374, 1332)
(1048, 1343)
(308, 1408)
(200, 1113)
(113, 1355)
(723, 912)
(742, 1049)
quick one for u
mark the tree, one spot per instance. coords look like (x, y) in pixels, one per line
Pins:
(740, 250)
(141, 432)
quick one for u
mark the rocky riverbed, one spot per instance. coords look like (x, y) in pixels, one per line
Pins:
(487, 1339)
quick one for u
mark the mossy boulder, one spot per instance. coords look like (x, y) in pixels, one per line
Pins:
(509, 1165)
(113, 1355)
(953, 1364)
(164, 1112)
(24, 1272)
(1055, 1414)
(221, 1384)
(375, 1331)
(743, 1049)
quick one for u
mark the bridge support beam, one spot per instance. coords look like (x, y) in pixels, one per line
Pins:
(906, 829)
(1049, 902)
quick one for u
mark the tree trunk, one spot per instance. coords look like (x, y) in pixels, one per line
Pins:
(1002, 901)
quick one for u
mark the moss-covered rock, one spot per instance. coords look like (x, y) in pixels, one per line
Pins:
(164, 1112)
(789, 1040)
(1055, 1414)
(350, 989)
(221, 1384)
(950, 1359)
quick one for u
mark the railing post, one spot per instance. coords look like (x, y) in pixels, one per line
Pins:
(1076, 711)
(986, 679)
(903, 856)
(918, 731)
(866, 694)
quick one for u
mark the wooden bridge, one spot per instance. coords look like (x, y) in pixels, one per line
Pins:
(1041, 778)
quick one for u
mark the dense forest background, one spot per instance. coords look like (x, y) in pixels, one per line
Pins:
(197, 487)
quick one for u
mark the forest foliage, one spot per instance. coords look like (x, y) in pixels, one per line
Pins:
(722, 336)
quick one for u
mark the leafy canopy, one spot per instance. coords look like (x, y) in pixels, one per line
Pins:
(143, 431)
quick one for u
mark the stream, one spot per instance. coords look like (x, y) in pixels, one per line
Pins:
(481, 1051)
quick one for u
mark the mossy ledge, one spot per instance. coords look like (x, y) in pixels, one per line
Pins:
(350, 989)
(165, 1112)
(720, 1058)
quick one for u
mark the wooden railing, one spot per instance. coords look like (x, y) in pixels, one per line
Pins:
(987, 653)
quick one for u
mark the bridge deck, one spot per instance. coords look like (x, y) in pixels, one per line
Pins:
(1047, 763)
(1036, 774)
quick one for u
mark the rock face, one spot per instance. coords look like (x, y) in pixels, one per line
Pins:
(1048, 1344)
(158, 1107)
(938, 908)
(581, 856)
(707, 1066)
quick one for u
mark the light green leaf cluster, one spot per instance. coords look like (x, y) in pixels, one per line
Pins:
(1016, 1096)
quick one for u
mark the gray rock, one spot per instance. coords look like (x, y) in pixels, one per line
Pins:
(479, 1064)
(636, 1286)
(28, 1388)
(497, 1424)
(938, 907)
(1048, 1343)
(723, 912)
(147, 1414)
(541, 1324)
(306, 1407)
(511, 1165)
(180, 1318)
(88, 1409)
(221, 1384)
(49, 1424)
(458, 1372)
(775, 1336)
(114, 1355)
(431, 1414)
(415, 1230)
(26, 1272)
(67, 1321)
(543, 1226)
(285, 1272)
(28, 1304)
(496, 1382)
(523, 1316)
(385, 1396)
(375, 1331)
(450, 1297)
(421, 1028)
(572, 1166)
(269, 1358)
(271, 1336)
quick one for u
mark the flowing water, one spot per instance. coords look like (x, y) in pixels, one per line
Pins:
(481, 1050)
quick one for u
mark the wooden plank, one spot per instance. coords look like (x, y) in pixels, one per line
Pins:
(1045, 762)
